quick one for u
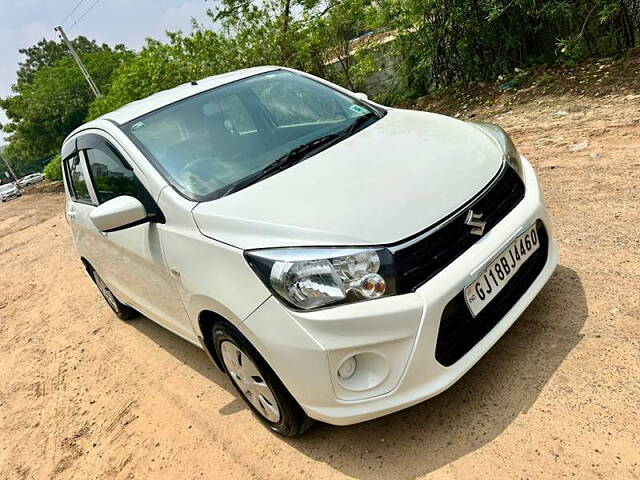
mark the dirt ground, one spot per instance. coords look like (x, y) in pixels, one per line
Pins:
(84, 395)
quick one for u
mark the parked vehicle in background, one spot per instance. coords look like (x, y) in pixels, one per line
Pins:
(9, 191)
(30, 179)
(338, 259)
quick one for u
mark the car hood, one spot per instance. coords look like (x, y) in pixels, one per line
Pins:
(387, 182)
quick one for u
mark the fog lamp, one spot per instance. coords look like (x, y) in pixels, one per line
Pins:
(347, 368)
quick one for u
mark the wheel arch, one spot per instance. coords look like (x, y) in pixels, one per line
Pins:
(87, 265)
(208, 319)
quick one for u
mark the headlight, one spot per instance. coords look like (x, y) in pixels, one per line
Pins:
(509, 150)
(308, 278)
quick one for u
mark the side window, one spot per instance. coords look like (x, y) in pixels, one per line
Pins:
(78, 182)
(111, 178)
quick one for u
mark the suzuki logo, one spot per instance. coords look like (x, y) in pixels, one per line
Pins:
(474, 220)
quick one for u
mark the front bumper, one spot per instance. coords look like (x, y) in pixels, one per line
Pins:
(395, 336)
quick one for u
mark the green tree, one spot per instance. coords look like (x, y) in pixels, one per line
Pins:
(51, 100)
(342, 42)
(253, 33)
(46, 53)
(53, 169)
(160, 66)
(434, 43)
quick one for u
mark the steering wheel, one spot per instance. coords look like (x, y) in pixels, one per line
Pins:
(192, 172)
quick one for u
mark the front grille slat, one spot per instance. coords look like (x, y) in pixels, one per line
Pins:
(419, 261)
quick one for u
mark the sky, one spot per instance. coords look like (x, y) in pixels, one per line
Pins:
(24, 22)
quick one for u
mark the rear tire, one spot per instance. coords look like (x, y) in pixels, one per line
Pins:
(122, 311)
(258, 385)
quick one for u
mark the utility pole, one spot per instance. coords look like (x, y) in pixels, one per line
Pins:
(75, 56)
(9, 167)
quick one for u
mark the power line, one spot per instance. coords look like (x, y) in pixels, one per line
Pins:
(71, 12)
(84, 14)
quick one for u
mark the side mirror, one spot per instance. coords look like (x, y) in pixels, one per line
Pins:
(361, 96)
(121, 212)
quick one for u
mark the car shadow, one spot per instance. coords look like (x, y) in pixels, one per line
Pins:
(188, 354)
(502, 385)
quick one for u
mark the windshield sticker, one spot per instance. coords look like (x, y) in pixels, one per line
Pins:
(358, 109)
(137, 126)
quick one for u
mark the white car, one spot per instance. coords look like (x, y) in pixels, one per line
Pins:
(30, 179)
(9, 191)
(339, 260)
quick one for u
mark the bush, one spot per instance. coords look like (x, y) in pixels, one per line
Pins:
(53, 169)
(444, 42)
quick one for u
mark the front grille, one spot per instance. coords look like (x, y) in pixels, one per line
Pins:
(460, 331)
(422, 257)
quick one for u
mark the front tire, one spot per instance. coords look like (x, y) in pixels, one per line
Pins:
(122, 311)
(258, 385)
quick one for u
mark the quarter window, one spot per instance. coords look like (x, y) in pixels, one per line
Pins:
(78, 182)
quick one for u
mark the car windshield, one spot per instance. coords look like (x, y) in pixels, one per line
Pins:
(6, 188)
(231, 136)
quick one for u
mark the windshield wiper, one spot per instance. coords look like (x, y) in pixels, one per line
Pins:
(299, 153)
(356, 125)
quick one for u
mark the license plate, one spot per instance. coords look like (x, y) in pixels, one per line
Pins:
(494, 278)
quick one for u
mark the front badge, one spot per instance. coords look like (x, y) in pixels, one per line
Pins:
(475, 220)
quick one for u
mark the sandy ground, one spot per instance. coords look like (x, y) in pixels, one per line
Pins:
(83, 395)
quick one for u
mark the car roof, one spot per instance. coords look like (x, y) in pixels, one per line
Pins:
(163, 98)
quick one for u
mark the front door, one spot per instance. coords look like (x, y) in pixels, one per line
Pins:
(130, 261)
